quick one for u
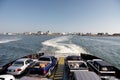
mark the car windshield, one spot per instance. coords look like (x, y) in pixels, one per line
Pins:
(18, 63)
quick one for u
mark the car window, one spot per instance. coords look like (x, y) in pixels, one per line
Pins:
(18, 63)
(28, 61)
(96, 65)
(83, 65)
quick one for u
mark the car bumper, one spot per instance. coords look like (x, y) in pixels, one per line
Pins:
(14, 73)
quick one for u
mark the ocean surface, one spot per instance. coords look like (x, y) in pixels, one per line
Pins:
(13, 47)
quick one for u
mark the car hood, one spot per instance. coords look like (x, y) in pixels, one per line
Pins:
(14, 67)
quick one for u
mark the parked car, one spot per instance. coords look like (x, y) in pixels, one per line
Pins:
(19, 66)
(7, 77)
(74, 63)
(103, 68)
(43, 66)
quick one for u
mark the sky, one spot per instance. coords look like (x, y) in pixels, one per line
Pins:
(60, 16)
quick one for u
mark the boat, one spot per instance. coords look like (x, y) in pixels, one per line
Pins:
(60, 71)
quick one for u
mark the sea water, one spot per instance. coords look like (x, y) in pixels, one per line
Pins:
(13, 47)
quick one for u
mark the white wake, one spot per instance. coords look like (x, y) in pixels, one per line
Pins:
(8, 40)
(64, 46)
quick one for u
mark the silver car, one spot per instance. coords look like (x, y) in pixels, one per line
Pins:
(19, 66)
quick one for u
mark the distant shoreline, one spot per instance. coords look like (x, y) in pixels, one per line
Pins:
(60, 34)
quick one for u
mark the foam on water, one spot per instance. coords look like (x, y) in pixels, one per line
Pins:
(8, 40)
(63, 46)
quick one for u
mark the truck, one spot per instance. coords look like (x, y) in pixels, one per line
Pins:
(43, 66)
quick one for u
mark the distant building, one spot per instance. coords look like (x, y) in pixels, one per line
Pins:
(63, 33)
(100, 34)
(48, 33)
(88, 34)
(27, 33)
(40, 33)
(116, 34)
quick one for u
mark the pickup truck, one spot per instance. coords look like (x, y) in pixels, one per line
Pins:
(74, 63)
(43, 66)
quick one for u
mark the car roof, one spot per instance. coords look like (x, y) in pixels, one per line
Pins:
(86, 75)
(22, 59)
(97, 60)
(103, 63)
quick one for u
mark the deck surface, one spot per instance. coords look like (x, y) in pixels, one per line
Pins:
(60, 70)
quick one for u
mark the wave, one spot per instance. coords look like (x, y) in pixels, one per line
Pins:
(63, 46)
(8, 40)
(106, 41)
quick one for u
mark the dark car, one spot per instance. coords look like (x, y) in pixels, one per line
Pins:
(101, 67)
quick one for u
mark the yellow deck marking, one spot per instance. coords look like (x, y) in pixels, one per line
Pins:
(59, 72)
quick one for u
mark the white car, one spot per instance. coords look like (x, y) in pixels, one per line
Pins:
(19, 66)
(7, 77)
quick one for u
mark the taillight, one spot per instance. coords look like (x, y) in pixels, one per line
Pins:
(45, 72)
(19, 69)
